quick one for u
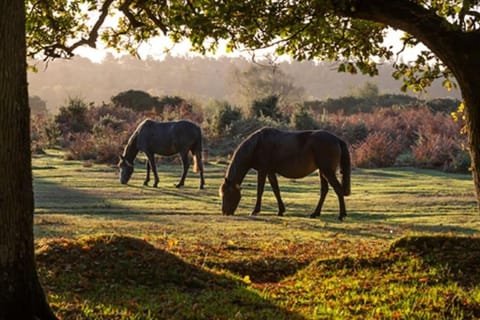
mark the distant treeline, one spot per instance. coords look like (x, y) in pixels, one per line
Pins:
(199, 79)
(351, 105)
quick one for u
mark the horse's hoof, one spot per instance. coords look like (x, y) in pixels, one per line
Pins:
(341, 218)
(253, 213)
(280, 214)
(313, 216)
(179, 186)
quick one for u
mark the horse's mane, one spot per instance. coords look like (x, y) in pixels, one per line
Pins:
(239, 166)
(131, 146)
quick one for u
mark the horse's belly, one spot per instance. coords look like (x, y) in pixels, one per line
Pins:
(296, 169)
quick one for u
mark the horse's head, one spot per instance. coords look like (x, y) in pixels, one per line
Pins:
(126, 170)
(230, 193)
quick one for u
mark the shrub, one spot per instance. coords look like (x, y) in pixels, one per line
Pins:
(434, 150)
(73, 116)
(461, 162)
(81, 147)
(137, 100)
(223, 117)
(445, 105)
(104, 145)
(238, 130)
(353, 132)
(45, 133)
(95, 114)
(109, 144)
(184, 110)
(439, 143)
(267, 107)
(378, 150)
(111, 129)
(302, 119)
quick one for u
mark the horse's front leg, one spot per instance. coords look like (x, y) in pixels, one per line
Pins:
(272, 178)
(186, 165)
(323, 194)
(147, 177)
(151, 164)
(261, 177)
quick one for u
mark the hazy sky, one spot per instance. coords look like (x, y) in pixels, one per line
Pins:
(157, 48)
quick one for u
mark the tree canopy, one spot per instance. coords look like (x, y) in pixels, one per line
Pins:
(349, 31)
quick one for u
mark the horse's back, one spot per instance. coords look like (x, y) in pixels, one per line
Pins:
(168, 138)
(295, 141)
(295, 154)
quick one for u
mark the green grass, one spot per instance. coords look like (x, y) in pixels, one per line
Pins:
(409, 248)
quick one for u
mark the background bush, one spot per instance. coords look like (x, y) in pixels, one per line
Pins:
(422, 135)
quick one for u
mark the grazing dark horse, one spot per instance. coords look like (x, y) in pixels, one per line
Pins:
(292, 154)
(166, 139)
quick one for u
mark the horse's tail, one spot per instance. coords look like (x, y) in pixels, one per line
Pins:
(197, 156)
(345, 168)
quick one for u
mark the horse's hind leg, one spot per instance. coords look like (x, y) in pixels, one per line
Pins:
(202, 179)
(332, 179)
(272, 178)
(186, 165)
(323, 194)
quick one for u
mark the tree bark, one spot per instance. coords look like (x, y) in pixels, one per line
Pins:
(21, 296)
(469, 78)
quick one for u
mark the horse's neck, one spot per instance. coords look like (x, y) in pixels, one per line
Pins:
(131, 150)
(241, 163)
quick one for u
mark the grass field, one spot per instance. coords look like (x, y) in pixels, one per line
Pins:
(409, 248)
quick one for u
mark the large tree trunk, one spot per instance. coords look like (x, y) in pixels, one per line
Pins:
(468, 79)
(21, 296)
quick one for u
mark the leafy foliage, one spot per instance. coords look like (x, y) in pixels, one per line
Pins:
(302, 119)
(73, 116)
(224, 115)
(266, 107)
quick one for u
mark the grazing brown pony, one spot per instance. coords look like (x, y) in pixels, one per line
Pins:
(292, 154)
(166, 139)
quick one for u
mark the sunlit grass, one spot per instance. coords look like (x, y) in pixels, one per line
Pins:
(92, 232)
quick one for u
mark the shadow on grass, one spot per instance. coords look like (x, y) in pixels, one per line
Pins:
(454, 258)
(264, 270)
(458, 256)
(376, 226)
(109, 277)
(54, 197)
